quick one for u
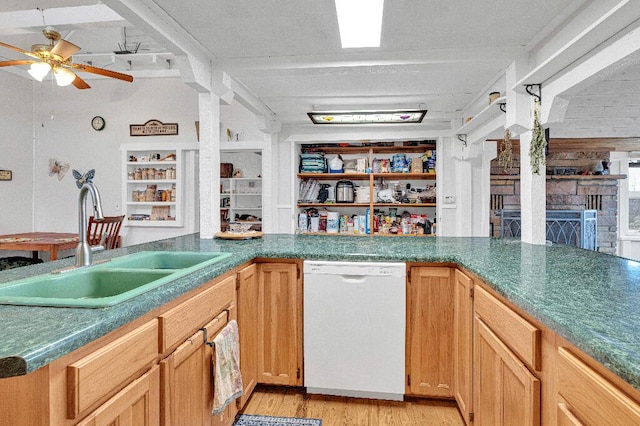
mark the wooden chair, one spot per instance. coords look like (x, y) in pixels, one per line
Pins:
(110, 226)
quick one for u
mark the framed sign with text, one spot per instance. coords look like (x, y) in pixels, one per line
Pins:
(153, 128)
(6, 175)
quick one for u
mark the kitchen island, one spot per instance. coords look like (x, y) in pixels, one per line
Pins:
(590, 299)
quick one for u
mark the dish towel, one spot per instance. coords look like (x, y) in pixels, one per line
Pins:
(227, 380)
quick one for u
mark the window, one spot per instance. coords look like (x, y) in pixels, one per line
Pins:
(634, 195)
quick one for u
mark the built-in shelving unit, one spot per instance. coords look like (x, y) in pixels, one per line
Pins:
(371, 152)
(153, 184)
(241, 197)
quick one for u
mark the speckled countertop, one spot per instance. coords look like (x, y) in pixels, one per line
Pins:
(591, 299)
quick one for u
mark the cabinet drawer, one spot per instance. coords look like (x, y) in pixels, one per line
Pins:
(177, 324)
(95, 376)
(591, 397)
(521, 336)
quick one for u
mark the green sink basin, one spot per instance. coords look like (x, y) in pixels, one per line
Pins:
(168, 260)
(108, 283)
(90, 288)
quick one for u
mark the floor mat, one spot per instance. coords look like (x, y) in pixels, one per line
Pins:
(253, 420)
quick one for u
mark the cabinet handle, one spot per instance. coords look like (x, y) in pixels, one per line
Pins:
(204, 329)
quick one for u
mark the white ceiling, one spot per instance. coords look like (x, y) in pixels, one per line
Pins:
(438, 55)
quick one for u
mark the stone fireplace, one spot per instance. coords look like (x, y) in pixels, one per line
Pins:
(581, 191)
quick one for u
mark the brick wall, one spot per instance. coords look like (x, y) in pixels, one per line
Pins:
(580, 192)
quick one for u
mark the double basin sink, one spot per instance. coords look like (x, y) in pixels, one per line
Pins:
(106, 284)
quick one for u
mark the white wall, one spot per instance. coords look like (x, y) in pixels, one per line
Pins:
(62, 127)
(16, 153)
(241, 121)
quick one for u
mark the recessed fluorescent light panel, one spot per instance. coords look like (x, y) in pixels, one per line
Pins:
(368, 117)
(360, 22)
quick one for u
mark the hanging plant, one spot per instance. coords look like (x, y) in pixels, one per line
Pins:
(538, 142)
(505, 157)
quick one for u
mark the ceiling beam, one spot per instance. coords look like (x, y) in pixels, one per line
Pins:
(362, 59)
(28, 21)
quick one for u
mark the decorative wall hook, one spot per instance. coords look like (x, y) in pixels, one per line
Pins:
(462, 138)
(537, 87)
(503, 106)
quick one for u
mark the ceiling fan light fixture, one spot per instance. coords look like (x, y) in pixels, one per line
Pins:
(64, 77)
(39, 70)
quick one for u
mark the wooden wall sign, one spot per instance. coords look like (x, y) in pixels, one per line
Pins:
(6, 175)
(153, 128)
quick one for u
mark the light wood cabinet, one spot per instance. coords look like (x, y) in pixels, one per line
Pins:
(187, 380)
(462, 343)
(137, 404)
(280, 323)
(506, 347)
(589, 398)
(91, 379)
(505, 392)
(430, 331)
(247, 294)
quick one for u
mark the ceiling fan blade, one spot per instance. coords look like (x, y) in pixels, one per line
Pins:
(64, 49)
(80, 83)
(17, 62)
(17, 49)
(102, 71)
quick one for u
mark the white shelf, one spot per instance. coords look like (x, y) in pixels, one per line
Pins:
(151, 181)
(490, 112)
(253, 200)
(174, 207)
(151, 163)
(153, 223)
(151, 203)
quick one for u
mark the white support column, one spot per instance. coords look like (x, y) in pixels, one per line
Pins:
(490, 152)
(533, 196)
(209, 106)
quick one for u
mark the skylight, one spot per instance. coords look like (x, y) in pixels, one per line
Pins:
(360, 22)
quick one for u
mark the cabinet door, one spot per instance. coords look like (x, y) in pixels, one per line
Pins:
(462, 338)
(280, 322)
(505, 392)
(138, 404)
(248, 329)
(187, 382)
(430, 332)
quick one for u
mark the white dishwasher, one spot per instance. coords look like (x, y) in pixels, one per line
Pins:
(354, 329)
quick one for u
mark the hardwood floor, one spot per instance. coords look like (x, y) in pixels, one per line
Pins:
(338, 411)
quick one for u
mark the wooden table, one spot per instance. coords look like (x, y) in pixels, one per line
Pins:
(39, 241)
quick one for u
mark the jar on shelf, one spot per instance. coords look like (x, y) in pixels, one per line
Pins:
(145, 174)
(173, 192)
(138, 174)
(150, 193)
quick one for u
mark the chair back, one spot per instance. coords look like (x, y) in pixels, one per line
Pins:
(110, 226)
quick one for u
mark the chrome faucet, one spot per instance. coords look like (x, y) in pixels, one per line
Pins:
(83, 251)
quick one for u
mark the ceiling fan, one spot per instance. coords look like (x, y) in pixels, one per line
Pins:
(56, 57)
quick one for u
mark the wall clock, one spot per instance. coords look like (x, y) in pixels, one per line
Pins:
(97, 123)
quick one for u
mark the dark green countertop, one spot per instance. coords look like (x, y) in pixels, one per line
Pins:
(589, 298)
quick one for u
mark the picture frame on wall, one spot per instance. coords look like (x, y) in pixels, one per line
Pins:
(6, 175)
